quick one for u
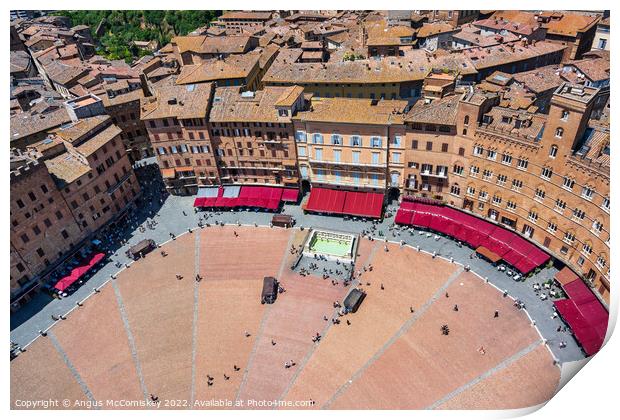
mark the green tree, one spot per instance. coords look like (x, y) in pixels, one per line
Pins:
(121, 27)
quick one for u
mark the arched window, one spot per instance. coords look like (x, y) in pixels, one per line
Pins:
(455, 189)
(559, 132)
(539, 193)
(597, 226)
(466, 120)
(601, 261)
(553, 151)
(569, 237)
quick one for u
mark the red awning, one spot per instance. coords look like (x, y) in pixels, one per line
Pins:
(596, 314)
(513, 257)
(226, 202)
(588, 332)
(514, 249)
(525, 265)
(409, 205)
(403, 217)
(363, 204)
(78, 272)
(274, 195)
(421, 219)
(290, 195)
(248, 196)
(538, 256)
(325, 200)
(200, 202)
(578, 292)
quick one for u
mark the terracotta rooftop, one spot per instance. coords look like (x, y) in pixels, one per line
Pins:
(439, 111)
(212, 44)
(20, 61)
(598, 147)
(305, 16)
(430, 29)
(541, 79)
(312, 55)
(509, 53)
(230, 105)
(48, 143)
(413, 66)
(499, 78)
(180, 101)
(571, 24)
(245, 15)
(388, 35)
(97, 141)
(517, 97)
(340, 37)
(231, 67)
(289, 96)
(473, 35)
(504, 121)
(121, 98)
(502, 24)
(67, 167)
(355, 111)
(77, 131)
(518, 16)
(28, 123)
(594, 69)
(267, 54)
(64, 73)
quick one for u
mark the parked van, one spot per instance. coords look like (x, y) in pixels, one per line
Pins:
(270, 290)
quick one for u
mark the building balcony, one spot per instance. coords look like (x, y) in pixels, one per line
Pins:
(442, 175)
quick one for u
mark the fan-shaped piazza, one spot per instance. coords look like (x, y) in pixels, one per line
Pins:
(149, 334)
